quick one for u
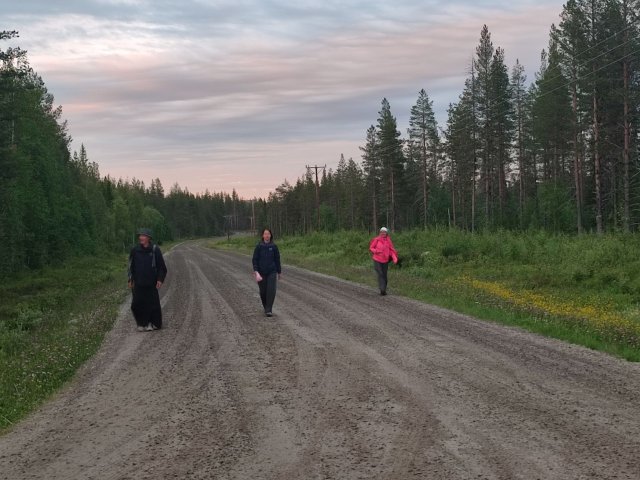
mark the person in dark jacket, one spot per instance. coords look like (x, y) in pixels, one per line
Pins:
(147, 272)
(267, 269)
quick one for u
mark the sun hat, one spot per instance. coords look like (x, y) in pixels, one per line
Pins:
(145, 231)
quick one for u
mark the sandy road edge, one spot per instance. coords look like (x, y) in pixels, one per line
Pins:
(90, 363)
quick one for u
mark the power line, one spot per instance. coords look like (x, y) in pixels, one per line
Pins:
(505, 95)
(316, 168)
(593, 72)
(577, 79)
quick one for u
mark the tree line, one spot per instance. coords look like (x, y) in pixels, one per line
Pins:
(558, 153)
(54, 203)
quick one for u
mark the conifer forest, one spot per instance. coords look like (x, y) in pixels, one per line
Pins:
(557, 152)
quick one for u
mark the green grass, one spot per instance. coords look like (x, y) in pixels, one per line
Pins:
(51, 322)
(581, 289)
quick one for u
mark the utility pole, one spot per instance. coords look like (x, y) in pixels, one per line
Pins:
(316, 168)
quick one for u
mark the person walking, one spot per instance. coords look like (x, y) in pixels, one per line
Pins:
(383, 252)
(147, 272)
(267, 270)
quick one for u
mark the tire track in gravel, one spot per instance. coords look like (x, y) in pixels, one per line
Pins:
(340, 384)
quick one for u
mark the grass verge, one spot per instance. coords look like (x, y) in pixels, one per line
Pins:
(51, 322)
(581, 289)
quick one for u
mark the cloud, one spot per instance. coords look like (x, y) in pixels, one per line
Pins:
(205, 91)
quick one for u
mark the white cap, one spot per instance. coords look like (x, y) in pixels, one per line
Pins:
(384, 229)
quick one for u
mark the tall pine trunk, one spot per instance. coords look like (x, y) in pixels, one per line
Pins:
(425, 188)
(626, 215)
(453, 200)
(597, 161)
(597, 166)
(392, 186)
(375, 208)
(475, 150)
(487, 183)
(521, 186)
(577, 167)
(502, 178)
(625, 152)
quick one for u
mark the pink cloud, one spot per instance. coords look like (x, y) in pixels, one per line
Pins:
(249, 109)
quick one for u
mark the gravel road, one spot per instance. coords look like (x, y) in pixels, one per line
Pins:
(340, 384)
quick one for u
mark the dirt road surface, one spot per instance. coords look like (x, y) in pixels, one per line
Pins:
(340, 384)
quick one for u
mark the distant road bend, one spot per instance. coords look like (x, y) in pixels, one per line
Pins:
(340, 384)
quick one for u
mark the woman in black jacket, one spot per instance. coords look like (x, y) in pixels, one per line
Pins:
(266, 266)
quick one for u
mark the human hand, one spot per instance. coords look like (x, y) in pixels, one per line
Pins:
(158, 284)
(130, 283)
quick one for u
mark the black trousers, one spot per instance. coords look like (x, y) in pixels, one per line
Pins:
(268, 287)
(146, 306)
(381, 270)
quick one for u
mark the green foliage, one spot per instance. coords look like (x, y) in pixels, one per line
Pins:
(576, 274)
(55, 205)
(560, 153)
(51, 321)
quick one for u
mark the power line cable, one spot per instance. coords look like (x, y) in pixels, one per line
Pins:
(505, 95)
(577, 79)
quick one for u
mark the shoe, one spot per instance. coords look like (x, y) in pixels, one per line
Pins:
(383, 292)
(149, 328)
(155, 327)
(269, 314)
(141, 328)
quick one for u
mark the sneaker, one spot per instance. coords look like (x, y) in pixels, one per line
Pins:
(155, 327)
(149, 328)
(269, 314)
(141, 328)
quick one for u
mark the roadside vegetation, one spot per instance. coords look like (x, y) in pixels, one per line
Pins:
(51, 321)
(558, 153)
(581, 289)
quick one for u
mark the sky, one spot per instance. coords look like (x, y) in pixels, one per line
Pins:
(216, 94)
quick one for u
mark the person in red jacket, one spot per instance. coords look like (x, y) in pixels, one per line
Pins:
(383, 252)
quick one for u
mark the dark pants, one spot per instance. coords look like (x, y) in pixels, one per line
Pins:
(381, 270)
(268, 287)
(146, 306)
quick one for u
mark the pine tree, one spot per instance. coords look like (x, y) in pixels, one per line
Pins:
(571, 40)
(462, 150)
(551, 110)
(483, 92)
(551, 115)
(502, 127)
(372, 165)
(354, 182)
(520, 103)
(424, 144)
(629, 11)
(390, 152)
